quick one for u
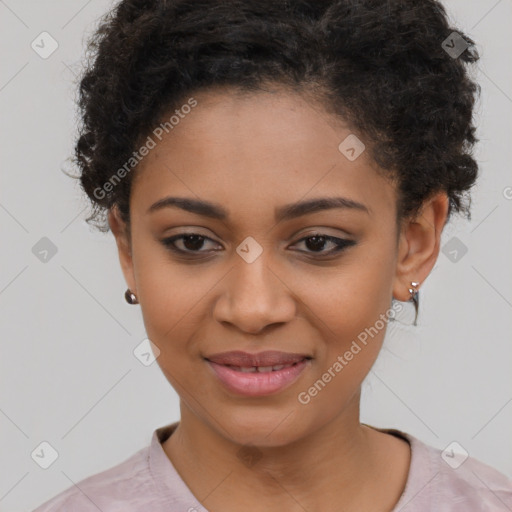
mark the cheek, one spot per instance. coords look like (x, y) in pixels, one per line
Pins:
(350, 307)
(352, 328)
(352, 296)
(170, 294)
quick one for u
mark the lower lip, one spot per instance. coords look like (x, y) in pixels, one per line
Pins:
(258, 383)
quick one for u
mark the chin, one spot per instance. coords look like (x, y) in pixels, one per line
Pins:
(259, 426)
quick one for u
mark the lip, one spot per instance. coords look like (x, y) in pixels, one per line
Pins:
(266, 358)
(259, 383)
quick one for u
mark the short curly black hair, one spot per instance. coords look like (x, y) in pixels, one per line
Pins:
(394, 70)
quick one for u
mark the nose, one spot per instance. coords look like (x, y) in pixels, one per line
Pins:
(254, 297)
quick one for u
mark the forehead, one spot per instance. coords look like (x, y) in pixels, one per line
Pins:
(254, 152)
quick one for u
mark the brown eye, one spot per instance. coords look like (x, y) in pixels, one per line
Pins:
(191, 243)
(317, 242)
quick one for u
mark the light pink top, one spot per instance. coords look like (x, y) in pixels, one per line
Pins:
(148, 482)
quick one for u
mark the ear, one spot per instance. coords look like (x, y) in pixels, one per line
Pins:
(419, 244)
(122, 235)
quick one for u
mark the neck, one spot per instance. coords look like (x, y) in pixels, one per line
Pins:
(341, 456)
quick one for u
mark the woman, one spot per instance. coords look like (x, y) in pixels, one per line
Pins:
(277, 175)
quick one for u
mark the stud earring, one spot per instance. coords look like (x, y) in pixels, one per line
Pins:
(130, 297)
(415, 298)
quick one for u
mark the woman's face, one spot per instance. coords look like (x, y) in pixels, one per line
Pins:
(254, 278)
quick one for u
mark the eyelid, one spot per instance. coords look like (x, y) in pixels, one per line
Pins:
(326, 230)
(169, 241)
(340, 244)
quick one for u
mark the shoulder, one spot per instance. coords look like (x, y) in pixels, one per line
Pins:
(107, 490)
(450, 480)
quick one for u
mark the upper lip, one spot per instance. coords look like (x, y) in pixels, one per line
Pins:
(267, 358)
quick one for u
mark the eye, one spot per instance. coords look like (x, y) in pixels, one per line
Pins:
(192, 242)
(317, 242)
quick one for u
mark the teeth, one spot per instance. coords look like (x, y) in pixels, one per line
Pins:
(261, 369)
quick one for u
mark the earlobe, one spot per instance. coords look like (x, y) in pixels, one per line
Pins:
(120, 232)
(419, 244)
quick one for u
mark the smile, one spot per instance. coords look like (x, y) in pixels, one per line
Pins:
(258, 380)
(260, 369)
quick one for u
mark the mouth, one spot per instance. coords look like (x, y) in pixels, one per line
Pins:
(262, 369)
(259, 380)
(264, 360)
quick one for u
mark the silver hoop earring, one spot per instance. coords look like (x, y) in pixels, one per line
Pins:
(130, 297)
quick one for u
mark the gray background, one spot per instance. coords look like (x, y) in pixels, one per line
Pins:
(68, 373)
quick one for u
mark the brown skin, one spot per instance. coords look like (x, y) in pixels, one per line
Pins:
(251, 154)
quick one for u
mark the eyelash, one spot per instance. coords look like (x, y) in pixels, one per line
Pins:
(341, 244)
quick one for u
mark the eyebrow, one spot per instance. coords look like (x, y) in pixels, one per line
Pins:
(286, 212)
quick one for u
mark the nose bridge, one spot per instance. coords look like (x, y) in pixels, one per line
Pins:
(251, 281)
(253, 296)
